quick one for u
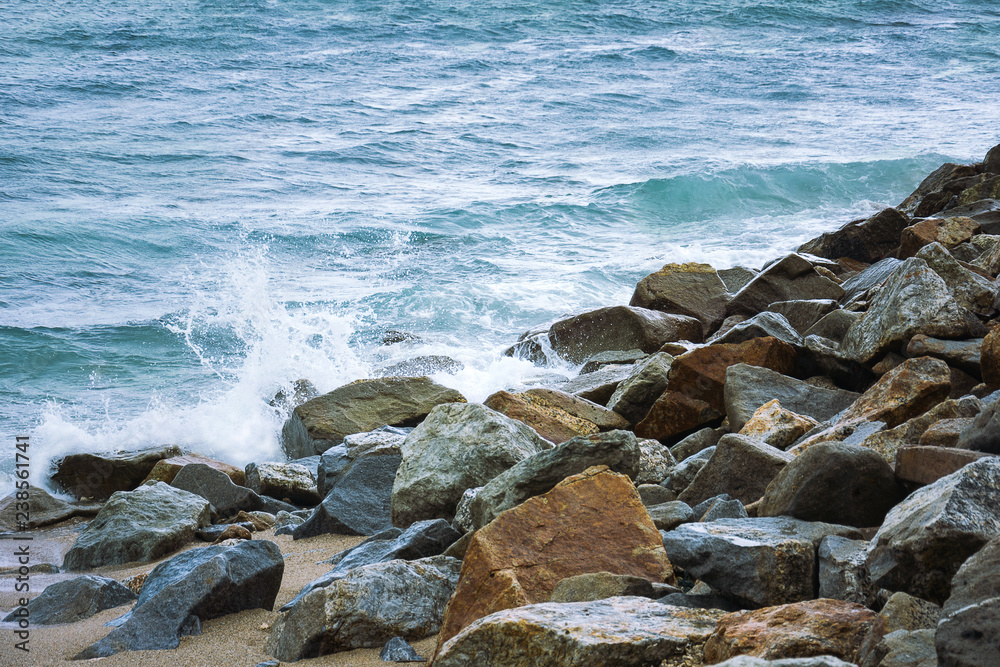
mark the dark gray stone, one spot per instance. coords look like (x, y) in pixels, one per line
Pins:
(725, 509)
(984, 434)
(97, 476)
(736, 278)
(636, 394)
(702, 508)
(398, 650)
(600, 586)
(540, 472)
(858, 286)
(215, 486)
(967, 633)
(792, 277)
(749, 387)
(740, 467)
(206, 583)
(867, 240)
(598, 386)
(685, 471)
(833, 326)
(669, 515)
(612, 357)
(696, 442)
(842, 572)
(701, 602)
(75, 599)
(760, 326)
(45, 510)
(961, 354)
(985, 211)
(804, 313)
(654, 494)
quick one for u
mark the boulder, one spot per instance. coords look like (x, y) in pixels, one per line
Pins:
(191, 588)
(759, 326)
(747, 388)
(291, 482)
(669, 515)
(655, 462)
(834, 483)
(684, 472)
(696, 442)
(936, 190)
(74, 600)
(217, 488)
(531, 346)
(967, 633)
(867, 240)
(366, 608)
(139, 525)
(613, 631)
(600, 586)
(962, 354)
(398, 649)
(945, 433)
(991, 164)
(984, 434)
(867, 283)
(654, 494)
(803, 314)
(842, 573)
(598, 386)
(987, 187)
(45, 510)
(971, 290)
(166, 469)
(334, 461)
(776, 426)
(736, 277)
(606, 419)
(539, 473)
(833, 326)
(611, 357)
(360, 501)
(97, 476)
(990, 358)
(552, 423)
(358, 407)
(925, 539)
(620, 328)
(645, 383)
(915, 300)
(686, 289)
(904, 648)
(989, 260)
(792, 277)
(949, 232)
(723, 507)
(888, 442)
(813, 661)
(740, 467)
(591, 522)
(923, 464)
(459, 446)
(428, 364)
(756, 561)
(900, 612)
(801, 629)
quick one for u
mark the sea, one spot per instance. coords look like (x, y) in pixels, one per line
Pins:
(203, 201)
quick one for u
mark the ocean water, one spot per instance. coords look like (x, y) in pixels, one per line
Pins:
(202, 201)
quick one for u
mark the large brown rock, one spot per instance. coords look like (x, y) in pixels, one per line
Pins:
(888, 442)
(935, 191)
(166, 469)
(606, 420)
(554, 424)
(792, 277)
(591, 522)
(989, 358)
(925, 464)
(867, 240)
(359, 407)
(798, 630)
(620, 328)
(686, 289)
(695, 384)
(949, 232)
(98, 476)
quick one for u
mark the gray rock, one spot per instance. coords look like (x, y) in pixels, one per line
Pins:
(967, 632)
(867, 240)
(139, 525)
(962, 354)
(654, 494)
(926, 538)
(669, 515)
(696, 442)
(740, 467)
(331, 464)
(985, 211)
(802, 314)
(859, 286)
(398, 649)
(725, 509)
(292, 482)
(614, 631)
(814, 661)
(842, 573)
(833, 326)
(701, 601)
(834, 483)
(215, 486)
(888, 442)
(900, 612)
(612, 357)
(421, 366)
(636, 394)
(685, 471)
(285, 522)
(736, 278)
(826, 358)
(984, 434)
(540, 472)
(97, 476)
(759, 326)
(205, 583)
(360, 502)
(619, 328)
(598, 386)
(423, 539)
(749, 387)
(792, 277)
(972, 291)
(905, 648)
(366, 608)
(459, 446)
(463, 522)
(759, 562)
(45, 510)
(915, 300)
(532, 346)
(600, 586)
(655, 462)
(702, 508)
(74, 600)
(359, 407)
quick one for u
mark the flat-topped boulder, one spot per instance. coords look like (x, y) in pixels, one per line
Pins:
(97, 476)
(291, 482)
(358, 407)
(459, 446)
(686, 289)
(962, 354)
(552, 423)
(620, 328)
(139, 525)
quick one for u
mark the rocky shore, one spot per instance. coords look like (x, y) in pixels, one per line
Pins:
(795, 465)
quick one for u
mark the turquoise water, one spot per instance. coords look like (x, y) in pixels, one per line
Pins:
(202, 202)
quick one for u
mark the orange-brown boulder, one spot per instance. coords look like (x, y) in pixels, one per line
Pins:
(591, 522)
(166, 469)
(694, 393)
(799, 630)
(949, 232)
(552, 423)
